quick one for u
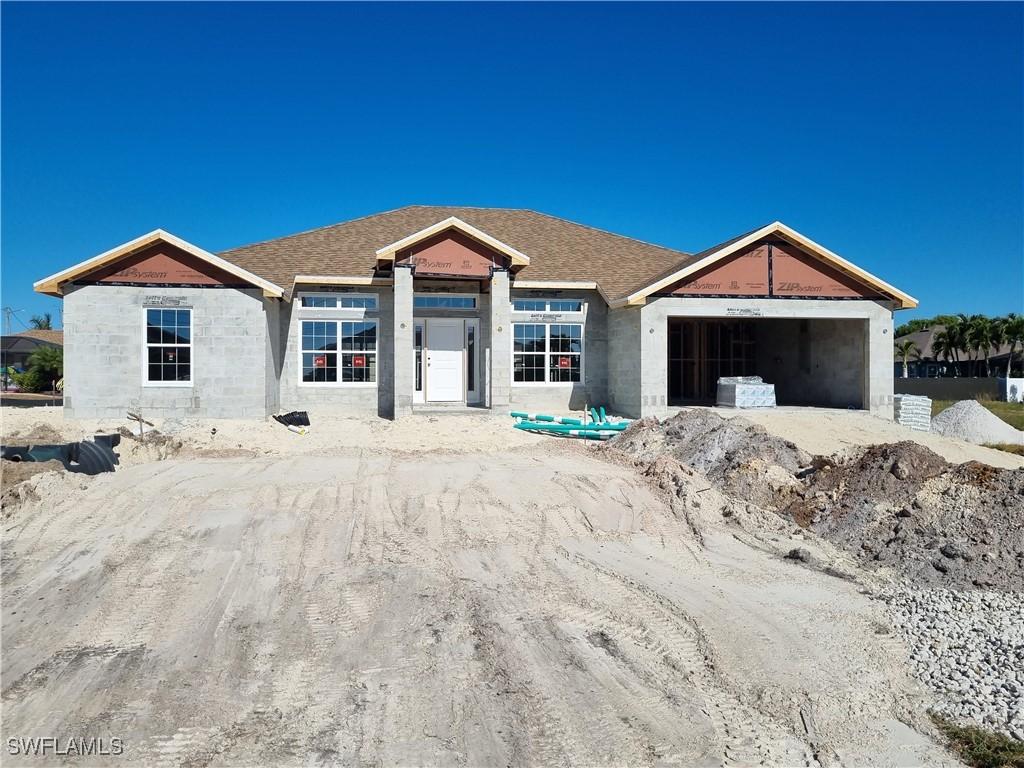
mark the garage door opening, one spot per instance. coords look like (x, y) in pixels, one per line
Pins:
(817, 362)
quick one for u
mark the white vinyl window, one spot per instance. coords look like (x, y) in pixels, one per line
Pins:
(339, 301)
(547, 353)
(168, 347)
(443, 301)
(339, 352)
(560, 306)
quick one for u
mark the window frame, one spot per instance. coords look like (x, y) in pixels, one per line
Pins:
(328, 312)
(576, 315)
(444, 294)
(547, 354)
(337, 319)
(144, 357)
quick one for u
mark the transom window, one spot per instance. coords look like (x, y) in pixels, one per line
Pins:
(442, 301)
(339, 351)
(169, 346)
(340, 301)
(549, 353)
(547, 305)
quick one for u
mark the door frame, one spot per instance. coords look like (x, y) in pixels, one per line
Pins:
(462, 357)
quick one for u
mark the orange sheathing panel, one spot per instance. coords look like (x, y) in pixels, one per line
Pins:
(743, 274)
(795, 273)
(162, 264)
(451, 254)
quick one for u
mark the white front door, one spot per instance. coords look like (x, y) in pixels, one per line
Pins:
(445, 366)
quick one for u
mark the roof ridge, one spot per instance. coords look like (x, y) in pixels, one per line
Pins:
(603, 231)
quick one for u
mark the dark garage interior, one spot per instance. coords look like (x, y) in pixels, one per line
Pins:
(811, 362)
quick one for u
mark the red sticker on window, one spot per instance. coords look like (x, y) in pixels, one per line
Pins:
(565, 362)
(358, 361)
(319, 361)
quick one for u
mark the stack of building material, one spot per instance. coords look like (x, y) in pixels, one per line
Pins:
(914, 411)
(745, 392)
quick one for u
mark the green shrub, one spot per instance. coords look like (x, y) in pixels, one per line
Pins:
(30, 381)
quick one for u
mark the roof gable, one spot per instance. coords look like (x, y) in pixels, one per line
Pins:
(844, 276)
(105, 264)
(452, 223)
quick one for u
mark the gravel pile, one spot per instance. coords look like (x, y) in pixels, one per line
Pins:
(969, 420)
(967, 647)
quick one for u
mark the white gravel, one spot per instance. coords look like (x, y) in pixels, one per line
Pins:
(971, 421)
(968, 647)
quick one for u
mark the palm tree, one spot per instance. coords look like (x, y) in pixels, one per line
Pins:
(953, 334)
(1013, 328)
(942, 347)
(996, 339)
(43, 322)
(905, 349)
(981, 332)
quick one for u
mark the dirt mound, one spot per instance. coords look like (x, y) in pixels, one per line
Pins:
(37, 434)
(899, 506)
(971, 421)
(905, 507)
(734, 453)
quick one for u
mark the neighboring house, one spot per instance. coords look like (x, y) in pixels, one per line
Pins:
(17, 347)
(440, 306)
(925, 364)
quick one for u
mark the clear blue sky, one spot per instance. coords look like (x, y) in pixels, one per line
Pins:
(890, 133)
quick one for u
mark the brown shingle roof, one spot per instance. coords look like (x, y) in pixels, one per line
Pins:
(40, 334)
(558, 249)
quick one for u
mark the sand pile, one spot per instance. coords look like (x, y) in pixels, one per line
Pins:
(971, 421)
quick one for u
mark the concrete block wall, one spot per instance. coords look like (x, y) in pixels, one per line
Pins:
(499, 338)
(104, 352)
(402, 379)
(624, 361)
(593, 389)
(338, 398)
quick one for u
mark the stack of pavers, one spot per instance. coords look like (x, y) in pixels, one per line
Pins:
(914, 411)
(745, 392)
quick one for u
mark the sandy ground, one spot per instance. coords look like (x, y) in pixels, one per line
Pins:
(221, 438)
(531, 606)
(816, 430)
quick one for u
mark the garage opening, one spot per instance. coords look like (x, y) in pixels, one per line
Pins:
(814, 362)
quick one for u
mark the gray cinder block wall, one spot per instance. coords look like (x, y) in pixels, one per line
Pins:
(104, 327)
(624, 362)
(499, 347)
(403, 370)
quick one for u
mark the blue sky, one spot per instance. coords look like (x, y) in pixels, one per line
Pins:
(890, 133)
